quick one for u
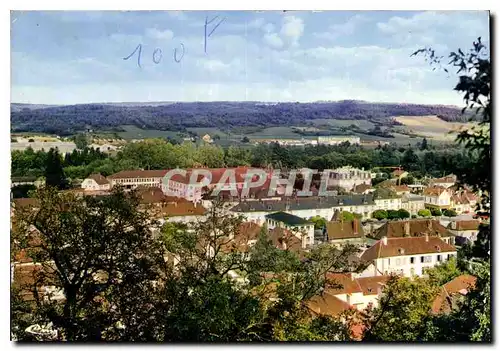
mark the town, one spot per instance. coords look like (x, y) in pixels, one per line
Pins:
(264, 190)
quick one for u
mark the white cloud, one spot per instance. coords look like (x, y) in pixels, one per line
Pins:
(159, 34)
(341, 29)
(292, 29)
(273, 40)
(268, 28)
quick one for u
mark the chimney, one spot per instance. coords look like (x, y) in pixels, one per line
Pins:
(429, 225)
(426, 237)
(355, 226)
(384, 240)
(407, 228)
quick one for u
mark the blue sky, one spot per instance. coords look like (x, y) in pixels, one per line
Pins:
(78, 57)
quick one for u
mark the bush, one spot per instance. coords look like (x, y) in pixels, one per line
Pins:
(436, 212)
(450, 213)
(392, 214)
(379, 214)
(424, 213)
(403, 214)
(413, 216)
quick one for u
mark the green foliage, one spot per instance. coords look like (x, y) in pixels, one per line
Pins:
(319, 222)
(379, 214)
(450, 213)
(408, 180)
(54, 172)
(402, 312)
(403, 214)
(444, 272)
(424, 213)
(392, 214)
(436, 212)
(245, 140)
(81, 141)
(21, 191)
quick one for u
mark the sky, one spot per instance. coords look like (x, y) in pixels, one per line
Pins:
(74, 57)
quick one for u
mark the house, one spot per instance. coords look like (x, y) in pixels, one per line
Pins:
(363, 189)
(96, 182)
(445, 182)
(349, 177)
(207, 138)
(437, 198)
(347, 292)
(386, 199)
(104, 148)
(133, 179)
(408, 256)
(301, 228)
(243, 239)
(180, 211)
(399, 174)
(306, 207)
(451, 292)
(285, 239)
(335, 140)
(414, 228)
(340, 232)
(400, 189)
(465, 229)
(412, 203)
(464, 202)
(181, 185)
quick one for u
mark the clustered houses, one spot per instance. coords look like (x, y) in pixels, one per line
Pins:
(412, 203)
(306, 207)
(445, 302)
(96, 182)
(349, 177)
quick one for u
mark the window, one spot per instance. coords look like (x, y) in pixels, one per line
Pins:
(412, 260)
(439, 258)
(398, 262)
(425, 259)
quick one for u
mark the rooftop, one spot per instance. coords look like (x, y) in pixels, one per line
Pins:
(303, 203)
(415, 228)
(288, 219)
(405, 247)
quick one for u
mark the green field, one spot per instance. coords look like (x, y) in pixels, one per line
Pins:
(132, 132)
(363, 124)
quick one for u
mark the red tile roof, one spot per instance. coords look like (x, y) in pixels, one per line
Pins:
(344, 229)
(446, 299)
(99, 179)
(415, 227)
(406, 246)
(464, 225)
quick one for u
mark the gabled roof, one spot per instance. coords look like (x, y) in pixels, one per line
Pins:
(398, 172)
(406, 246)
(285, 240)
(327, 304)
(449, 292)
(139, 174)
(434, 191)
(416, 227)
(26, 203)
(184, 208)
(303, 203)
(99, 179)
(464, 225)
(361, 188)
(344, 229)
(247, 231)
(288, 219)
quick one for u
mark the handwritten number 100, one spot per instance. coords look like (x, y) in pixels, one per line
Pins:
(158, 54)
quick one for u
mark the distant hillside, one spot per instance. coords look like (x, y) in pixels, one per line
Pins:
(181, 115)
(15, 107)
